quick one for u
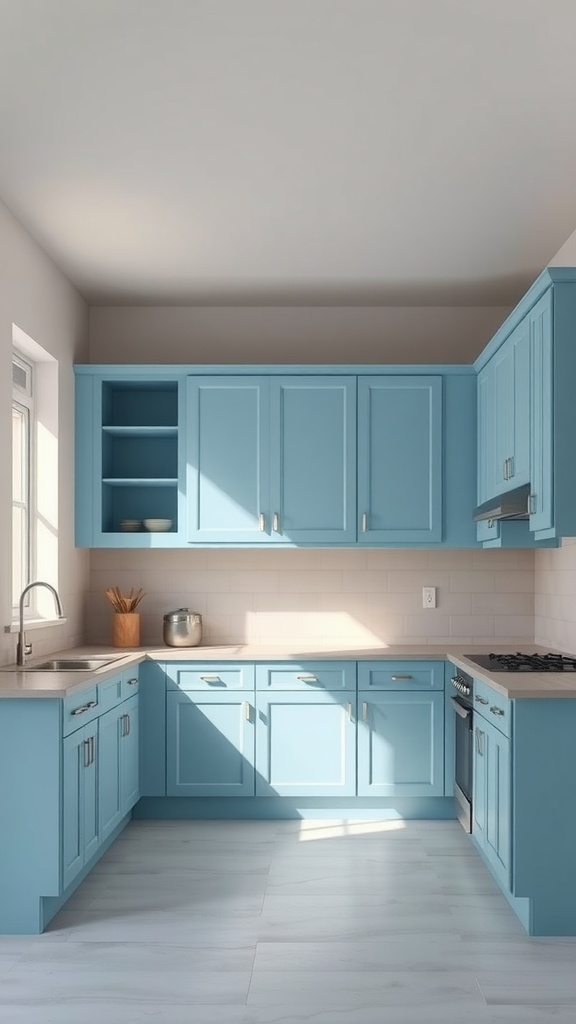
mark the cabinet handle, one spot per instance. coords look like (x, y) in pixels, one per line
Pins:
(86, 753)
(531, 504)
(308, 679)
(350, 710)
(246, 706)
(133, 682)
(127, 725)
(479, 743)
(210, 679)
(276, 522)
(91, 750)
(262, 522)
(505, 469)
(396, 678)
(364, 711)
(480, 700)
(364, 522)
(511, 469)
(85, 707)
(496, 711)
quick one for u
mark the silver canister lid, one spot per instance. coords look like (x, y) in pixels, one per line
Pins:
(181, 615)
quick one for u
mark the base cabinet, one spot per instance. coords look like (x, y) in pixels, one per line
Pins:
(80, 835)
(118, 786)
(401, 744)
(209, 743)
(306, 744)
(491, 802)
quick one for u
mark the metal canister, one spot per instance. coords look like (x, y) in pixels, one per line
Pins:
(182, 628)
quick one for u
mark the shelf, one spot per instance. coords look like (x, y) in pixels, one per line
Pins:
(119, 481)
(140, 431)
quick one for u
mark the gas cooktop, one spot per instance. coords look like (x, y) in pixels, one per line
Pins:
(520, 662)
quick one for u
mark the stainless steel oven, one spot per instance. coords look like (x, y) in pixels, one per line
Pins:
(461, 701)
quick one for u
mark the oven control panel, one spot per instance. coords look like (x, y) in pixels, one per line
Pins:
(462, 682)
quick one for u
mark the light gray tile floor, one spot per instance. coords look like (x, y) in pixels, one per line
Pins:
(286, 923)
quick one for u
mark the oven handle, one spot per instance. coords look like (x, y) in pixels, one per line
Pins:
(463, 712)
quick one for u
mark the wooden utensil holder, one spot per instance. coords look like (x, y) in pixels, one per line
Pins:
(126, 629)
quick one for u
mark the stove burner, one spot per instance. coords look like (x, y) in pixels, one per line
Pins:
(521, 662)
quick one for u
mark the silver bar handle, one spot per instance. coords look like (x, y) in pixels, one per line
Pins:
(276, 522)
(262, 522)
(364, 526)
(211, 679)
(127, 725)
(480, 700)
(396, 678)
(496, 711)
(505, 469)
(531, 504)
(479, 743)
(308, 679)
(511, 470)
(364, 711)
(459, 709)
(246, 706)
(92, 743)
(85, 707)
(86, 753)
(133, 681)
(350, 711)
(124, 730)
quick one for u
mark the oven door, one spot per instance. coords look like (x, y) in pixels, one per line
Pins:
(463, 762)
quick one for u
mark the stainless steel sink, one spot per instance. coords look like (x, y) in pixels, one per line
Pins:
(71, 665)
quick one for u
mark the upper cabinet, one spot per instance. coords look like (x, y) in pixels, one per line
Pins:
(271, 460)
(400, 489)
(527, 414)
(274, 459)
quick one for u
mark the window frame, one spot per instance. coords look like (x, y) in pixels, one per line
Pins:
(23, 403)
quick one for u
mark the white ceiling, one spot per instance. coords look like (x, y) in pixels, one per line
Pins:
(291, 151)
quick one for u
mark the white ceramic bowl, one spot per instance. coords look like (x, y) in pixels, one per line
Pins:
(157, 525)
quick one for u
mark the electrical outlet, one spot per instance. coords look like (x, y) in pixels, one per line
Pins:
(428, 597)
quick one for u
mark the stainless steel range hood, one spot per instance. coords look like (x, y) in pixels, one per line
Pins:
(512, 505)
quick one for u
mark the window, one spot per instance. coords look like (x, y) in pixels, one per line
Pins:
(23, 475)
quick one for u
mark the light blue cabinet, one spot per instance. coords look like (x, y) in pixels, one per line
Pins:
(271, 460)
(306, 744)
(80, 834)
(400, 483)
(209, 743)
(401, 744)
(527, 414)
(118, 782)
(491, 802)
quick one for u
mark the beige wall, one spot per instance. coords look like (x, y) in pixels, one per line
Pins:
(555, 597)
(40, 301)
(346, 334)
(324, 596)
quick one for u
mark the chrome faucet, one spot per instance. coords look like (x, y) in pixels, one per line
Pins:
(23, 648)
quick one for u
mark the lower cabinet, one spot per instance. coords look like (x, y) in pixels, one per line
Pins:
(491, 800)
(80, 836)
(306, 744)
(306, 731)
(118, 787)
(209, 743)
(401, 744)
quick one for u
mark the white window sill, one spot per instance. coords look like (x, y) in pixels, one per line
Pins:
(14, 627)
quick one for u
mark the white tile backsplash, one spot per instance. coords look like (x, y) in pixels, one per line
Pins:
(555, 596)
(356, 597)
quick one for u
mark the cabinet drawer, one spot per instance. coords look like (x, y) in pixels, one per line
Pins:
(493, 706)
(130, 682)
(109, 693)
(401, 675)
(313, 675)
(209, 676)
(79, 708)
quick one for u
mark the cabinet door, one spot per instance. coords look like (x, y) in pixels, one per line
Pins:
(313, 459)
(400, 459)
(228, 460)
(80, 837)
(305, 744)
(486, 529)
(109, 799)
(210, 744)
(491, 802)
(541, 429)
(401, 744)
(511, 410)
(129, 755)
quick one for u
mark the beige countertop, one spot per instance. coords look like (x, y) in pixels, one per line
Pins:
(16, 682)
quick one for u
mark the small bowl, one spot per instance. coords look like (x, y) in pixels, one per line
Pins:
(131, 525)
(158, 525)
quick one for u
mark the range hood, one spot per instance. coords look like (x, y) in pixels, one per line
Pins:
(512, 505)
